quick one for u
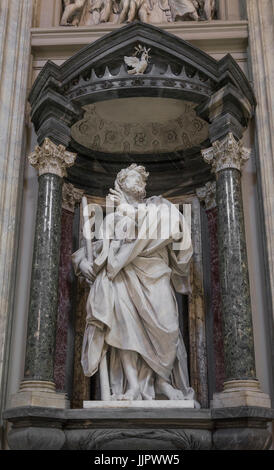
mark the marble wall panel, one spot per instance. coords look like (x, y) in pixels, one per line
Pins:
(65, 301)
(216, 301)
(196, 306)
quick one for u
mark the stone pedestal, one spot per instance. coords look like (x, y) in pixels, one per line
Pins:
(39, 393)
(38, 387)
(241, 393)
(159, 405)
(241, 386)
(139, 428)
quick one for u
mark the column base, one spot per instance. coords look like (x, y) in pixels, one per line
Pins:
(39, 393)
(241, 393)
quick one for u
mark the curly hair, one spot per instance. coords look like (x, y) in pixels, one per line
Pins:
(120, 178)
(138, 190)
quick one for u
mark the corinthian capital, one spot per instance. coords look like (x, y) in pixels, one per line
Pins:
(227, 153)
(207, 194)
(71, 196)
(51, 158)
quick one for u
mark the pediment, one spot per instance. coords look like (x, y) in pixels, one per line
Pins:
(98, 71)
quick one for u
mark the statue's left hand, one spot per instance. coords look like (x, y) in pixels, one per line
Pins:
(87, 270)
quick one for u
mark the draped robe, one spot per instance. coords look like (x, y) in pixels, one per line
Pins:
(132, 304)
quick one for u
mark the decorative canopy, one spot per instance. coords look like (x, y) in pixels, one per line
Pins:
(161, 113)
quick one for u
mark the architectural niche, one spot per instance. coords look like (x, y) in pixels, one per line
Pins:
(217, 93)
(92, 12)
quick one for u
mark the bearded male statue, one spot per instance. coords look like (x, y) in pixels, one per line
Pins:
(132, 312)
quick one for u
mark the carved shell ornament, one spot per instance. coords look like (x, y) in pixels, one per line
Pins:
(138, 64)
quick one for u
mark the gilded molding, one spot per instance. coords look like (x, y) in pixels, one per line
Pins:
(227, 153)
(51, 158)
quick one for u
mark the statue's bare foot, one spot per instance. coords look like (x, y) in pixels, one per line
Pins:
(132, 394)
(116, 397)
(164, 388)
(147, 397)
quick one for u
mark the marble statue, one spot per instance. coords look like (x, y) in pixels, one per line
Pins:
(132, 311)
(90, 12)
(134, 9)
(184, 9)
(72, 12)
(101, 10)
(138, 66)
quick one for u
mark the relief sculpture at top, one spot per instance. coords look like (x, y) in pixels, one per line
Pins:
(91, 12)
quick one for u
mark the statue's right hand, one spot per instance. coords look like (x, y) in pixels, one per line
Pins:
(87, 270)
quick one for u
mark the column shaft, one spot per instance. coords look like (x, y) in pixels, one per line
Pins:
(236, 306)
(38, 387)
(44, 284)
(241, 388)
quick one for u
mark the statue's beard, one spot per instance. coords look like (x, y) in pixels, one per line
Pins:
(138, 191)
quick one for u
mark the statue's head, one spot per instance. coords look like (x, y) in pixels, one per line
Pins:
(132, 180)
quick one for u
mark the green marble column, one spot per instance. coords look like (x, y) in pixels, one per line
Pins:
(44, 282)
(51, 162)
(227, 158)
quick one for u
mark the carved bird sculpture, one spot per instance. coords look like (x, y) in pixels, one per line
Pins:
(138, 65)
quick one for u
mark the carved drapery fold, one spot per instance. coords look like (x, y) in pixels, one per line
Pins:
(92, 12)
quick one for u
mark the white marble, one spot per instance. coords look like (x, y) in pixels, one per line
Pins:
(138, 65)
(140, 404)
(227, 153)
(51, 158)
(80, 12)
(261, 31)
(147, 356)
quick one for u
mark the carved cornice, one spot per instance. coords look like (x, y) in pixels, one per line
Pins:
(51, 158)
(207, 195)
(71, 196)
(227, 153)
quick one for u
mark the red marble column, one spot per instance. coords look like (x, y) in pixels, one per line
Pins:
(216, 300)
(66, 279)
(207, 196)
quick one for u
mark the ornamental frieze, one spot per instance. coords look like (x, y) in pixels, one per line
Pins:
(93, 12)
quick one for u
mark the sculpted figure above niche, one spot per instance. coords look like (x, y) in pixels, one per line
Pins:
(92, 12)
